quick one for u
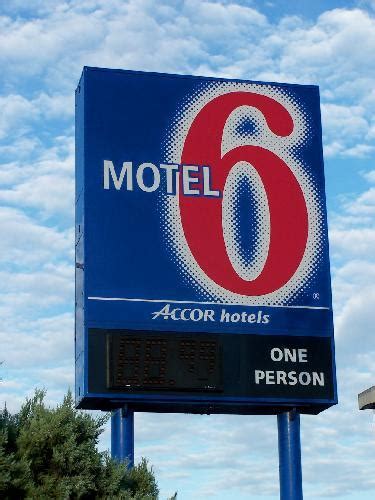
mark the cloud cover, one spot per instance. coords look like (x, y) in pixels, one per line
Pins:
(42, 50)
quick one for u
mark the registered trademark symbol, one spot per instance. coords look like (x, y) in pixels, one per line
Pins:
(315, 296)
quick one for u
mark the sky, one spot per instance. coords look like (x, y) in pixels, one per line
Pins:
(43, 46)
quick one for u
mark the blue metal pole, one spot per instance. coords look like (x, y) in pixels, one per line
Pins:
(290, 470)
(122, 436)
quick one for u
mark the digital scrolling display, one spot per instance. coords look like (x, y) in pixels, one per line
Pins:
(164, 362)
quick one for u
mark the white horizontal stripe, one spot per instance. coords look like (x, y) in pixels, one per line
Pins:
(194, 302)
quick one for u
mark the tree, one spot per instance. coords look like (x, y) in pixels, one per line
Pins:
(51, 453)
(14, 474)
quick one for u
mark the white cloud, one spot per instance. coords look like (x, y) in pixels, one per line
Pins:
(359, 151)
(343, 120)
(352, 226)
(51, 193)
(27, 244)
(340, 38)
(22, 148)
(20, 114)
(37, 293)
(333, 149)
(232, 40)
(35, 353)
(41, 57)
(40, 178)
(364, 204)
(353, 278)
(353, 242)
(370, 176)
(334, 53)
(33, 344)
(55, 106)
(340, 150)
(16, 112)
(358, 311)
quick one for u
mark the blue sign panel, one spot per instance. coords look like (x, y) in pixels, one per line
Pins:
(202, 268)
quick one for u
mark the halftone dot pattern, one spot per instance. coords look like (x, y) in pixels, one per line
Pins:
(248, 252)
(246, 126)
(243, 126)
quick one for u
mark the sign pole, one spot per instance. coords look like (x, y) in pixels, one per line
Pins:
(122, 435)
(290, 470)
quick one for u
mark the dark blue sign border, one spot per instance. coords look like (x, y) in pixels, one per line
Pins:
(100, 135)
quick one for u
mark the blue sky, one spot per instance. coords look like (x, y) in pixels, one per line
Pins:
(43, 47)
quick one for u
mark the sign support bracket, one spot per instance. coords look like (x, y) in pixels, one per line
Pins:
(122, 435)
(290, 470)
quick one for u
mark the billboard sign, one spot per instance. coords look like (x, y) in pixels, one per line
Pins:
(202, 267)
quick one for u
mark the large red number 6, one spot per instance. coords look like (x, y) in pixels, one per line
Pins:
(202, 217)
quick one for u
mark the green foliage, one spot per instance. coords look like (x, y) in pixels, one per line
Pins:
(51, 453)
(14, 474)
